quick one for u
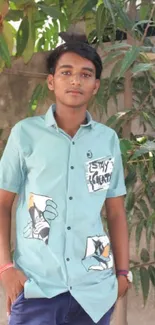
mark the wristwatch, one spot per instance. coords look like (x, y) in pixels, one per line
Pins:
(130, 277)
(127, 274)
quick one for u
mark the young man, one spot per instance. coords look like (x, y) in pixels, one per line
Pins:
(64, 166)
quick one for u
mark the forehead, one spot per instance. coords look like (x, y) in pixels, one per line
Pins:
(75, 60)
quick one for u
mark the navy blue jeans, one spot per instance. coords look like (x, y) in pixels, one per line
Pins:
(60, 310)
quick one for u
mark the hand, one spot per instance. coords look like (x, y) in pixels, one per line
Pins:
(123, 285)
(13, 281)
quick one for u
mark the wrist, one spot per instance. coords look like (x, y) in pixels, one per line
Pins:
(126, 274)
(5, 267)
(122, 272)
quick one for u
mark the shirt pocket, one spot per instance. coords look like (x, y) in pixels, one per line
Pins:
(99, 173)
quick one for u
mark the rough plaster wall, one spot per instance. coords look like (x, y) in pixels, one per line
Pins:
(15, 91)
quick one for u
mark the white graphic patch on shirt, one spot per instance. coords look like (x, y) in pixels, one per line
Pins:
(42, 209)
(98, 173)
(98, 255)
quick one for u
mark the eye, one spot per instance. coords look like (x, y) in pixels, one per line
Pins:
(86, 75)
(66, 73)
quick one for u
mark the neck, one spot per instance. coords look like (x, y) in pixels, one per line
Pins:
(69, 119)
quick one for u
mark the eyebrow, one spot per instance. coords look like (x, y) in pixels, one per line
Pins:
(70, 66)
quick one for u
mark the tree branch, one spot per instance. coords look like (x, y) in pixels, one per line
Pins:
(143, 264)
(148, 25)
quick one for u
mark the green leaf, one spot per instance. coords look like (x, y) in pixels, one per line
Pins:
(125, 20)
(39, 18)
(147, 147)
(151, 119)
(125, 146)
(22, 3)
(118, 46)
(130, 201)
(29, 50)
(52, 11)
(136, 279)
(123, 116)
(90, 4)
(144, 255)
(34, 99)
(145, 283)
(144, 208)
(131, 177)
(41, 43)
(139, 230)
(14, 15)
(101, 21)
(108, 5)
(112, 56)
(90, 22)
(115, 72)
(144, 11)
(129, 59)
(149, 228)
(100, 96)
(142, 22)
(151, 270)
(22, 36)
(9, 34)
(2, 64)
(4, 51)
(44, 92)
(141, 67)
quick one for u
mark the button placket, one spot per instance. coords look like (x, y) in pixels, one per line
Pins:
(70, 210)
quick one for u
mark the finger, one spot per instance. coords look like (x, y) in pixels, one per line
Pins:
(8, 305)
(22, 279)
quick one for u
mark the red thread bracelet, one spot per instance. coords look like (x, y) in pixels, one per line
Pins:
(5, 267)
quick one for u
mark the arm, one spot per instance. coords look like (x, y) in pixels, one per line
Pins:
(12, 175)
(13, 280)
(6, 202)
(118, 231)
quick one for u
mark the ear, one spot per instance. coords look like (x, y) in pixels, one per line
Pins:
(97, 86)
(50, 82)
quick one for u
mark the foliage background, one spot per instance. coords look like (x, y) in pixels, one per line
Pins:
(27, 27)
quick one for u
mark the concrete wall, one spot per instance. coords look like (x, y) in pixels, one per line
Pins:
(15, 90)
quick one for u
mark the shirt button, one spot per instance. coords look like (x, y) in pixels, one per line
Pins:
(73, 142)
(70, 288)
(70, 198)
(69, 228)
(67, 259)
(72, 167)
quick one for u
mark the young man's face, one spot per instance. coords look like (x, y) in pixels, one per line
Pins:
(74, 81)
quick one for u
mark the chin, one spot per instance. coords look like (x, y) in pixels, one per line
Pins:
(74, 103)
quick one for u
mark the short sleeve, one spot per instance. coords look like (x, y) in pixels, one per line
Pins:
(117, 183)
(11, 165)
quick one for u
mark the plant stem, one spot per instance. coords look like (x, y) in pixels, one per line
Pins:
(148, 25)
(143, 264)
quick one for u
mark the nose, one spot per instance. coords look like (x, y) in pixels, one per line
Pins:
(75, 79)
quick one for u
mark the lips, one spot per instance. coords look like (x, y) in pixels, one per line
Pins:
(74, 91)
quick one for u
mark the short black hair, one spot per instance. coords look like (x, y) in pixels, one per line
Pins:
(81, 48)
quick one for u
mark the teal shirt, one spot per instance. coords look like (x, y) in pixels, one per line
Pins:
(62, 184)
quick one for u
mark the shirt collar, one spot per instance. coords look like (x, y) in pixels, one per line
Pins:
(50, 119)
